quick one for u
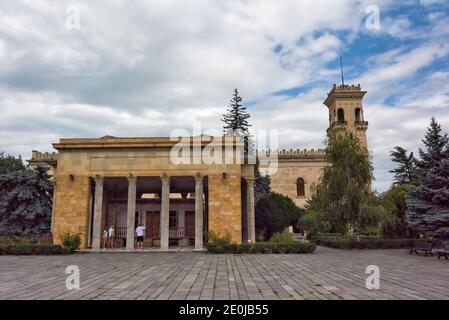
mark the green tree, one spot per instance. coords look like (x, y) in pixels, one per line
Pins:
(405, 172)
(394, 201)
(428, 202)
(374, 217)
(236, 124)
(261, 183)
(236, 118)
(275, 212)
(9, 163)
(345, 183)
(25, 203)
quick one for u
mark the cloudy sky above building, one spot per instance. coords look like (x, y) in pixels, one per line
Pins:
(145, 68)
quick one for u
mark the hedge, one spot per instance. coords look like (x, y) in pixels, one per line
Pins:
(33, 249)
(262, 247)
(367, 243)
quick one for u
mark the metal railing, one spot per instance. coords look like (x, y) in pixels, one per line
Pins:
(121, 233)
(176, 233)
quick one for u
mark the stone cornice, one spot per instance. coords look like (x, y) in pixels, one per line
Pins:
(149, 142)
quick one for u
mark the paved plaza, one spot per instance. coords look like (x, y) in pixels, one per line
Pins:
(326, 274)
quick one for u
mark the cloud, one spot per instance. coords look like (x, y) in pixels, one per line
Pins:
(144, 68)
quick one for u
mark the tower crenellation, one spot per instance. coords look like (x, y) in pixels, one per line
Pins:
(345, 104)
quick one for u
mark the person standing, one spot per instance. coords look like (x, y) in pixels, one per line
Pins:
(105, 237)
(111, 237)
(140, 231)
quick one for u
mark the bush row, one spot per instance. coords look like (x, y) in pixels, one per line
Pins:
(34, 249)
(262, 247)
(367, 243)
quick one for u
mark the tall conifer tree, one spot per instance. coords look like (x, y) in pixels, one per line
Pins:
(236, 124)
(428, 202)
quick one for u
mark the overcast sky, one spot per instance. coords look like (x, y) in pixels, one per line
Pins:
(144, 68)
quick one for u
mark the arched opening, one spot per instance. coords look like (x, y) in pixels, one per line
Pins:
(300, 189)
(341, 115)
(358, 115)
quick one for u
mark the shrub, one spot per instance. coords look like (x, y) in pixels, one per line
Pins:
(263, 247)
(218, 238)
(46, 239)
(275, 212)
(282, 237)
(367, 243)
(33, 249)
(71, 241)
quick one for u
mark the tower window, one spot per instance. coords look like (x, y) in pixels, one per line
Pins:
(300, 190)
(358, 115)
(341, 115)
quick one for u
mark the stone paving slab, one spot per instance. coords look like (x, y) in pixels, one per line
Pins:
(326, 274)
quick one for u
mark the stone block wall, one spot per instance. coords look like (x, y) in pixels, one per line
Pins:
(71, 208)
(225, 213)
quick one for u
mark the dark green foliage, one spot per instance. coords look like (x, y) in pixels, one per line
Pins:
(25, 203)
(236, 118)
(281, 237)
(275, 212)
(311, 225)
(33, 249)
(261, 184)
(9, 163)
(405, 172)
(344, 185)
(71, 241)
(236, 124)
(218, 239)
(394, 201)
(367, 243)
(263, 247)
(428, 202)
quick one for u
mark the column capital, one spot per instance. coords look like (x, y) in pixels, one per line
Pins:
(98, 179)
(131, 179)
(250, 180)
(198, 177)
(165, 178)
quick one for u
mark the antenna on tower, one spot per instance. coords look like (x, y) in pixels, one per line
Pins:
(341, 68)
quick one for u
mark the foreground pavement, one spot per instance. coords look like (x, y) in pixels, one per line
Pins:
(326, 274)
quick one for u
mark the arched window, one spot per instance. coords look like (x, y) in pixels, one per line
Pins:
(300, 190)
(358, 115)
(341, 115)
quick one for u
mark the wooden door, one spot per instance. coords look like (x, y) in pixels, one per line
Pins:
(152, 224)
(189, 224)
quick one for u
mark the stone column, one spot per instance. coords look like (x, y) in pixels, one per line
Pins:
(165, 211)
(250, 210)
(198, 212)
(98, 208)
(53, 204)
(130, 230)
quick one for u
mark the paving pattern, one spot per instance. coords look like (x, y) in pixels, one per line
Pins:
(326, 274)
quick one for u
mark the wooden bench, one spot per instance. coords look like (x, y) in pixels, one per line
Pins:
(422, 246)
(444, 252)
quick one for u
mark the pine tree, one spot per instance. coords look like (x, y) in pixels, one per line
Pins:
(25, 203)
(236, 118)
(406, 170)
(428, 202)
(236, 124)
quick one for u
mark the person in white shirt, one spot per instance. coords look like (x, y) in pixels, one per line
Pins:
(111, 237)
(140, 231)
(105, 237)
